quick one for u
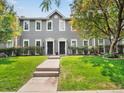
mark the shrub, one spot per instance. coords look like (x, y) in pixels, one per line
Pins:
(22, 51)
(114, 55)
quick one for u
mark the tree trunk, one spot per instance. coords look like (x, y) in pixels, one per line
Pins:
(112, 46)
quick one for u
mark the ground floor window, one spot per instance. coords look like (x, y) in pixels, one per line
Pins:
(25, 45)
(74, 46)
(9, 44)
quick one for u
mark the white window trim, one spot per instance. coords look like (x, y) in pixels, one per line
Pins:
(60, 26)
(87, 41)
(60, 40)
(38, 40)
(74, 40)
(28, 22)
(26, 40)
(50, 40)
(12, 44)
(36, 25)
(102, 43)
(51, 24)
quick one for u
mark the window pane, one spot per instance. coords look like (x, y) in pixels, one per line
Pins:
(74, 43)
(9, 44)
(85, 43)
(100, 41)
(49, 25)
(26, 44)
(37, 43)
(62, 25)
(26, 26)
(38, 26)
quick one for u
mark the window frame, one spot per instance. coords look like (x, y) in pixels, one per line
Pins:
(24, 42)
(60, 29)
(36, 25)
(51, 25)
(36, 40)
(74, 40)
(7, 45)
(28, 22)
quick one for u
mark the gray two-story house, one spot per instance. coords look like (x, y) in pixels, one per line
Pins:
(55, 34)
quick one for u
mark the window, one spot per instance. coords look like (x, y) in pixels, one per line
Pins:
(122, 41)
(9, 44)
(74, 43)
(61, 25)
(86, 43)
(25, 43)
(100, 41)
(49, 26)
(38, 26)
(26, 26)
(90, 13)
(38, 43)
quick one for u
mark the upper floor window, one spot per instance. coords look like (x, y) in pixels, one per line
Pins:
(61, 25)
(26, 25)
(49, 25)
(38, 25)
(9, 44)
(25, 43)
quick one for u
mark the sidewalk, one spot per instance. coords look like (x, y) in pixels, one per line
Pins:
(45, 78)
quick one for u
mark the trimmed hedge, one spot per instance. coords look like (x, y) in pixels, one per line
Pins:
(23, 51)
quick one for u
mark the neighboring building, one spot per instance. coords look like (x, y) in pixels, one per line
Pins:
(55, 34)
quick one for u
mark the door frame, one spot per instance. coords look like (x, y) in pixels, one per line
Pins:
(50, 40)
(62, 40)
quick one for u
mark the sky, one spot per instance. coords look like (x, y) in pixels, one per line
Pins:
(31, 8)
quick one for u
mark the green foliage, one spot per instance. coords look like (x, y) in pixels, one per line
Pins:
(9, 24)
(16, 71)
(88, 73)
(111, 55)
(22, 51)
(46, 4)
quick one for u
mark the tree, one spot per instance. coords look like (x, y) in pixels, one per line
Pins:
(99, 18)
(46, 4)
(9, 26)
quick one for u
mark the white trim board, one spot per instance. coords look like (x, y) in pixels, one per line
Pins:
(28, 22)
(51, 25)
(36, 25)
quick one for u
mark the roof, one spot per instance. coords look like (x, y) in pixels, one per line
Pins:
(44, 18)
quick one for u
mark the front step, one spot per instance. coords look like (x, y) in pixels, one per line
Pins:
(46, 74)
(47, 69)
(54, 57)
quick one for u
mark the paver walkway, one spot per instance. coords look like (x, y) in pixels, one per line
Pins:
(45, 78)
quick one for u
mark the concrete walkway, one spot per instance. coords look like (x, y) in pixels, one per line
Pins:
(45, 78)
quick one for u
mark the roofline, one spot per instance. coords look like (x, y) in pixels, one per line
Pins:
(44, 18)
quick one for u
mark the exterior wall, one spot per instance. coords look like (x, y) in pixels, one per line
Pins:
(55, 35)
(44, 34)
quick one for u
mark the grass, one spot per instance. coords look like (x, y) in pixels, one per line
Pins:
(16, 71)
(90, 73)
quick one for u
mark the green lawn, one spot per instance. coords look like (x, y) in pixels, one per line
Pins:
(16, 71)
(90, 73)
